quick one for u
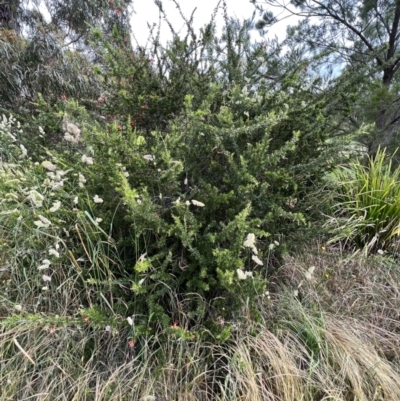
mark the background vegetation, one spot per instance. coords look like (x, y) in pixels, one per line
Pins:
(212, 219)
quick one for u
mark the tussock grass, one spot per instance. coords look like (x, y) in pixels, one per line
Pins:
(367, 212)
(326, 335)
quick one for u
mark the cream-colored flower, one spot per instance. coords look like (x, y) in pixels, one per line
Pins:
(46, 278)
(44, 220)
(36, 198)
(69, 138)
(39, 224)
(81, 179)
(97, 199)
(87, 160)
(197, 203)
(49, 165)
(149, 157)
(250, 243)
(45, 265)
(243, 275)
(55, 207)
(256, 259)
(57, 185)
(54, 253)
(23, 150)
(308, 274)
(129, 320)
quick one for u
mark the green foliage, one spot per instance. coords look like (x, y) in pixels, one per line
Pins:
(367, 212)
(356, 37)
(52, 241)
(182, 214)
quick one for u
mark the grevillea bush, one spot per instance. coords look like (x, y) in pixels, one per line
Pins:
(180, 220)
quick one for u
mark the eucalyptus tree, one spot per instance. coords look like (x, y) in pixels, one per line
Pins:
(45, 48)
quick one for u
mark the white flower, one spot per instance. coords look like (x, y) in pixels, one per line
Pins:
(53, 252)
(142, 257)
(129, 320)
(257, 260)
(72, 129)
(380, 252)
(250, 242)
(308, 274)
(185, 181)
(6, 212)
(82, 180)
(97, 199)
(107, 328)
(242, 275)
(36, 198)
(42, 222)
(45, 264)
(69, 138)
(87, 160)
(18, 307)
(75, 201)
(149, 157)
(187, 203)
(197, 203)
(141, 281)
(56, 206)
(23, 150)
(46, 278)
(39, 224)
(49, 166)
(98, 220)
(45, 288)
(56, 185)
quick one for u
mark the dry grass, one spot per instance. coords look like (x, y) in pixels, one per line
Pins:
(337, 339)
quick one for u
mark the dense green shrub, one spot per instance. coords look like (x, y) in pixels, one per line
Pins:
(194, 212)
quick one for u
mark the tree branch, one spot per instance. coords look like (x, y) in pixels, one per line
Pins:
(393, 33)
(350, 27)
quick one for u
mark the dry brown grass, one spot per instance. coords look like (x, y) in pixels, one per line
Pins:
(336, 340)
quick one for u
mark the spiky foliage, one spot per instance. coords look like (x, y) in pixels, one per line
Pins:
(368, 204)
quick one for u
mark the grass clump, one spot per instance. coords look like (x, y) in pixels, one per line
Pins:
(322, 337)
(367, 212)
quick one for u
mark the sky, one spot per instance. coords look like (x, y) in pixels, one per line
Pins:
(147, 12)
